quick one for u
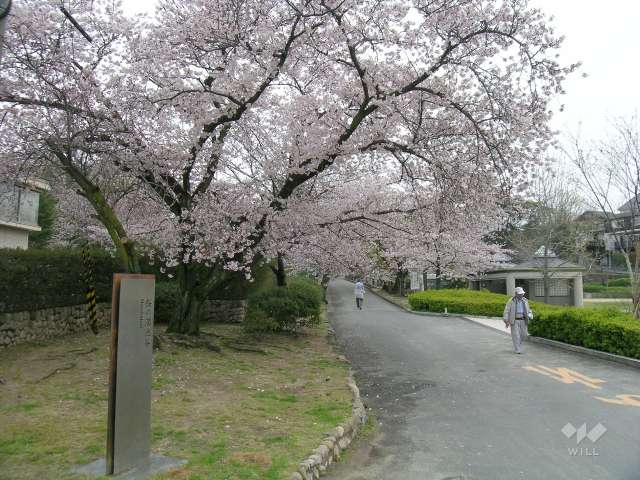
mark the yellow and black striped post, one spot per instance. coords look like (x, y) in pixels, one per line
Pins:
(90, 290)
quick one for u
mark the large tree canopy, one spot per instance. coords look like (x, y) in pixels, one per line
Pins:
(218, 116)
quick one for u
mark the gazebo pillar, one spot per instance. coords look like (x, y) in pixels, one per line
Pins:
(511, 284)
(577, 291)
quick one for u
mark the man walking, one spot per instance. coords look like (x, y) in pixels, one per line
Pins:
(359, 291)
(517, 315)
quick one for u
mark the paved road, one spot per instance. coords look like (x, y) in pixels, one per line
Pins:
(455, 402)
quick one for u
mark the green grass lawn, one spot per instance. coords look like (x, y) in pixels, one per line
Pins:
(231, 415)
(624, 305)
(597, 290)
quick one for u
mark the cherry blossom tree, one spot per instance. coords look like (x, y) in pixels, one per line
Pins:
(221, 111)
(447, 230)
(389, 225)
(330, 228)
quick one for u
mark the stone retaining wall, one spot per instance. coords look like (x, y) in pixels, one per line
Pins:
(336, 441)
(225, 311)
(21, 327)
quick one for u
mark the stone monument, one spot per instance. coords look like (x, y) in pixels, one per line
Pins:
(129, 415)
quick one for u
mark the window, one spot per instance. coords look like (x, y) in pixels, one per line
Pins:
(557, 288)
(538, 288)
(8, 202)
(18, 204)
(28, 207)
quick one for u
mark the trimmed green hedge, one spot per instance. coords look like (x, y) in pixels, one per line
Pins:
(620, 282)
(599, 328)
(604, 329)
(612, 291)
(469, 302)
(287, 308)
(36, 279)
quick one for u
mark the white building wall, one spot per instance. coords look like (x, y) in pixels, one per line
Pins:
(13, 237)
(19, 206)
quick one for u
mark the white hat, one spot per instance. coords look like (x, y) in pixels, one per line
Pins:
(519, 291)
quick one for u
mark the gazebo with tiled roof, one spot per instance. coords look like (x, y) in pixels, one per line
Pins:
(565, 279)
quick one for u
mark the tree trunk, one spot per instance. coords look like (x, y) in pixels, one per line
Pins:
(125, 247)
(325, 284)
(438, 277)
(545, 275)
(129, 257)
(186, 319)
(280, 272)
(634, 277)
(545, 280)
(196, 283)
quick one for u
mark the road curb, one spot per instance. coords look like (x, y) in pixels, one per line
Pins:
(422, 314)
(486, 326)
(335, 441)
(612, 357)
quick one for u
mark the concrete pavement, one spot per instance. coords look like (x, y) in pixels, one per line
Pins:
(454, 401)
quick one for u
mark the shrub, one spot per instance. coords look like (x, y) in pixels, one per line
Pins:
(604, 329)
(470, 302)
(620, 282)
(47, 213)
(35, 279)
(309, 292)
(457, 283)
(592, 287)
(287, 308)
(613, 292)
(599, 328)
(167, 301)
(602, 291)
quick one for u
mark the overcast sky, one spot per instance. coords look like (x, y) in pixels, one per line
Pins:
(605, 37)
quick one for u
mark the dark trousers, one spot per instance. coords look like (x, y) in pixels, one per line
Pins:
(359, 302)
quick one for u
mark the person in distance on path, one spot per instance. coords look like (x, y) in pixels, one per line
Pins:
(517, 315)
(359, 291)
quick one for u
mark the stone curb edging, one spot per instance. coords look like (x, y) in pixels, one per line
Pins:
(335, 442)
